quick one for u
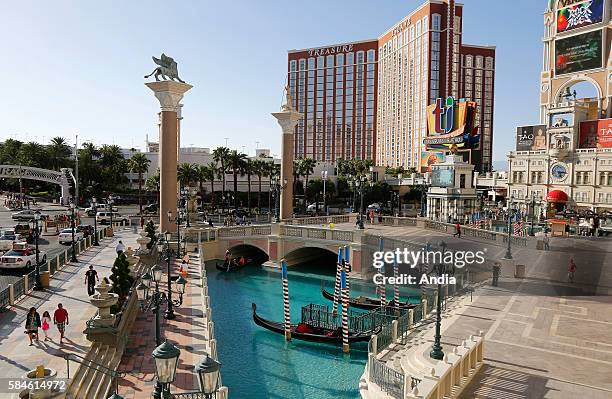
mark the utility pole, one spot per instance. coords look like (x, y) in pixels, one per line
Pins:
(76, 163)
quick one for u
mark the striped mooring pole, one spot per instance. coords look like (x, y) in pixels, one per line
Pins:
(286, 300)
(396, 296)
(337, 284)
(345, 296)
(347, 265)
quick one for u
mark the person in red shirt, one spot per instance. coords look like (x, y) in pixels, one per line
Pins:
(60, 319)
(571, 270)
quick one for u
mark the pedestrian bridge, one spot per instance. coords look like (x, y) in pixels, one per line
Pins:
(63, 178)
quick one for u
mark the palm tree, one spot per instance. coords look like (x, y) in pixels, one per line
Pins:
(271, 170)
(207, 173)
(248, 170)
(139, 163)
(297, 172)
(187, 174)
(235, 162)
(259, 169)
(307, 168)
(220, 156)
(152, 183)
(59, 153)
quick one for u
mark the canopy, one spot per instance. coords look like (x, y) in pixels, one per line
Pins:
(557, 196)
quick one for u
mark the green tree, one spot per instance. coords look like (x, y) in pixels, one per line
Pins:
(139, 163)
(260, 170)
(59, 153)
(120, 277)
(151, 233)
(113, 167)
(187, 174)
(236, 161)
(248, 170)
(152, 183)
(307, 168)
(221, 156)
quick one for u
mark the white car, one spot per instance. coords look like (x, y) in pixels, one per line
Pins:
(27, 214)
(21, 256)
(8, 239)
(65, 236)
(105, 218)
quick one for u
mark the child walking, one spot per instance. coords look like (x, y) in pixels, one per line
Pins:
(46, 323)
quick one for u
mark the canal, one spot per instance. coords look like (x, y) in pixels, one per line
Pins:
(257, 363)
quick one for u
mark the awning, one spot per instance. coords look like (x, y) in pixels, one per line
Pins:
(557, 196)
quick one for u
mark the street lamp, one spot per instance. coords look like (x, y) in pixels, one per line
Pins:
(164, 249)
(360, 183)
(185, 195)
(208, 375)
(440, 270)
(111, 200)
(73, 257)
(534, 198)
(37, 284)
(423, 197)
(399, 197)
(278, 187)
(166, 358)
(178, 219)
(94, 205)
(510, 216)
(324, 178)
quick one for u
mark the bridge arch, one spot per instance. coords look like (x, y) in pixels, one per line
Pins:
(63, 178)
(314, 256)
(249, 251)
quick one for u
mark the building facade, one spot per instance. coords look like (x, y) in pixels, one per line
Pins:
(565, 162)
(377, 109)
(334, 87)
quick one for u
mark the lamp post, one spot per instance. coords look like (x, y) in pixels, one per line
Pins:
(534, 198)
(399, 197)
(111, 200)
(165, 251)
(73, 257)
(178, 219)
(37, 284)
(185, 194)
(94, 205)
(360, 183)
(508, 254)
(166, 358)
(440, 269)
(324, 178)
(423, 196)
(278, 187)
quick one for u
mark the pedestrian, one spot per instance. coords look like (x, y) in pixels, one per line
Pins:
(571, 270)
(60, 319)
(90, 279)
(120, 247)
(46, 324)
(32, 324)
(457, 230)
(546, 241)
(141, 222)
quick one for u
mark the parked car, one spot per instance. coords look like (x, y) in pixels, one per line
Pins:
(90, 211)
(86, 229)
(65, 236)
(7, 240)
(105, 218)
(25, 231)
(27, 214)
(150, 209)
(21, 256)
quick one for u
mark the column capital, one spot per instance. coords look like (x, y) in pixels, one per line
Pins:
(287, 120)
(169, 93)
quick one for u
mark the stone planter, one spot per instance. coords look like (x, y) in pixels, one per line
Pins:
(44, 392)
(143, 241)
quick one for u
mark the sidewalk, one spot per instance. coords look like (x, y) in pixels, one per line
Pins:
(186, 331)
(68, 288)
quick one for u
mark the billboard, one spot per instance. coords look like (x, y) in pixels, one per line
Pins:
(578, 53)
(596, 134)
(443, 176)
(531, 138)
(429, 158)
(574, 14)
(451, 122)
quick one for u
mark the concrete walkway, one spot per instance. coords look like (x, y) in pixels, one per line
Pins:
(67, 287)
(188, 331)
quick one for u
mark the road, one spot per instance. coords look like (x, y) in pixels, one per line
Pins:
(47, 243)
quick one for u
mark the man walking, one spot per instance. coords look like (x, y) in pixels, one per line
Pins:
(60, 319)
(120, 248)
(457, 230)
(546, 241)
(90, 279)
(571, 270)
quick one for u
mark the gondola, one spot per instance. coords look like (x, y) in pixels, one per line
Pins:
(366, 303)
(318, 334)
(233, 267)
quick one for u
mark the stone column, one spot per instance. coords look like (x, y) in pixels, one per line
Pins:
(169, 94)
(287, 119)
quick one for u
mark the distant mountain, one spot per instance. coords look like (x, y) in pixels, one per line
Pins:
(499, 166)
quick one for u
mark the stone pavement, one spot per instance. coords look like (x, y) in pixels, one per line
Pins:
(67, 287)
(187, 331)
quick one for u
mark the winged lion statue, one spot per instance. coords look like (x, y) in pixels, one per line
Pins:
(167, 69)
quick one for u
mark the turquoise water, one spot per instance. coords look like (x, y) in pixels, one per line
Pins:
(257, 363)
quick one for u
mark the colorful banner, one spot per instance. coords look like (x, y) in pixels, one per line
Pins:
(572, 14)
(443, 176)
(565, 119)
(596, 134)
(531, 138)
(578, 53)
(430, 158)
(451, 123)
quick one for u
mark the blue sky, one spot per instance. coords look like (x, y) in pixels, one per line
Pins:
(77, 67)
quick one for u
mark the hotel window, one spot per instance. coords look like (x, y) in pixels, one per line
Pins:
(436, 21)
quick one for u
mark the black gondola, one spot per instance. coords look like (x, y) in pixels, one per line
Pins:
(366, 303)
(318, 334)
(233, 265)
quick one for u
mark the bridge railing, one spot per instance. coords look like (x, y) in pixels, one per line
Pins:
(317, 233)
(483, 234)
(321, 220)
(398, 221)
